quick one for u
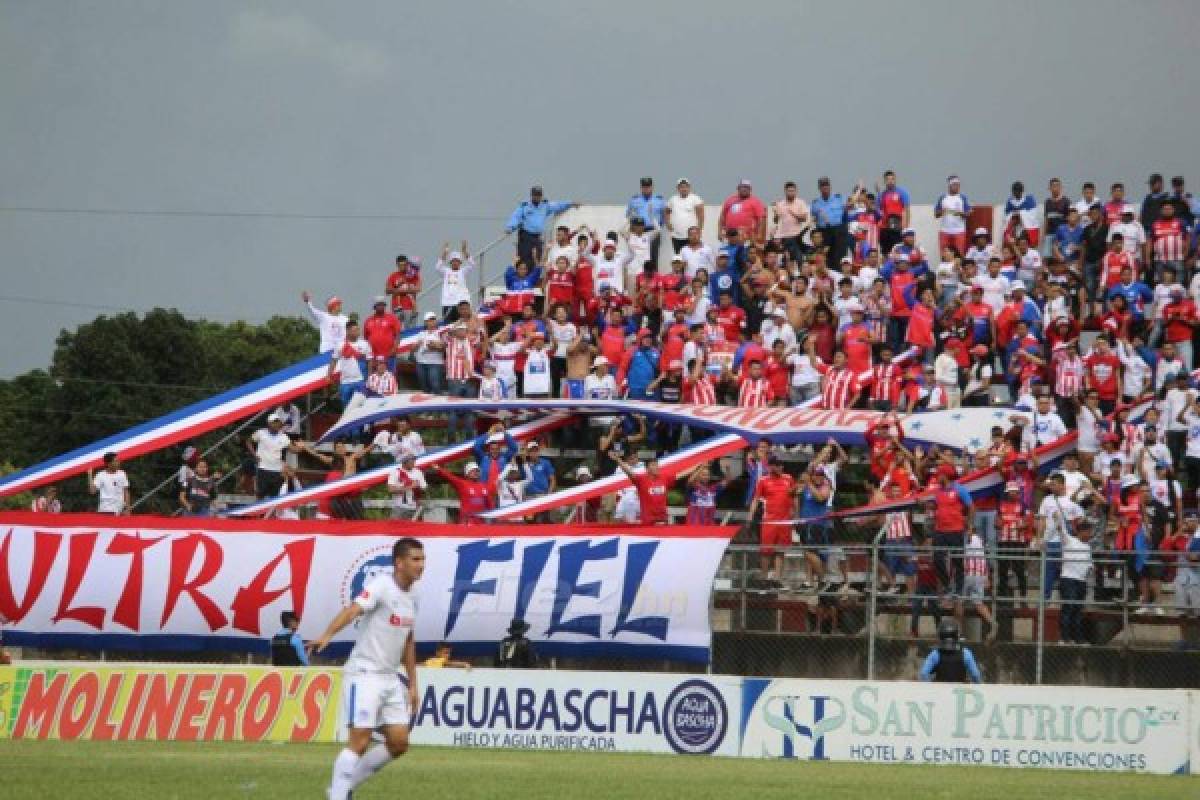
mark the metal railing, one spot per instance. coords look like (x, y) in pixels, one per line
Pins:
(480, 281)
(845, 627)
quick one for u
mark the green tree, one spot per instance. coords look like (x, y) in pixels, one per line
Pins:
(115, 372)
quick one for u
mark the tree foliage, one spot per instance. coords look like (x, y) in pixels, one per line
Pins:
(118, 371)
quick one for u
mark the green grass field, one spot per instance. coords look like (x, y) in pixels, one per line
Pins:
(182, 771)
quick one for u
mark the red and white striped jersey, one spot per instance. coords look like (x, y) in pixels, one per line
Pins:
(898, 526)
(1170, 239)
(1132, 436)
(1012, 522)
(838, 388)
(700, 392)
(975, 557)
(755, 393)
(1068, 376)
(460, 359)
(885, 383)
(382, 384)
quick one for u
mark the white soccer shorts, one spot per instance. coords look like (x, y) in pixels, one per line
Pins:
(372, 700)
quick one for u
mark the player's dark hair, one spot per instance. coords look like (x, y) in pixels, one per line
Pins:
(287, 618)
(402, 547)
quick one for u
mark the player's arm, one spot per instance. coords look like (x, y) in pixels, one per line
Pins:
(972, 667)
(343, 618)
(931, 662)
(410, 667)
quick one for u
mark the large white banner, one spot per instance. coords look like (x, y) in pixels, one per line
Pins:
(154, 583)
(1055, 727)
(563, 710)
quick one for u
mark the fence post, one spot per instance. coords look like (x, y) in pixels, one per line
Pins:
(1041, 626)
(872, 604)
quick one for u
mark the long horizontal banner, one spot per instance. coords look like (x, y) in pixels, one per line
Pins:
(95, 581)
(190, 421)
(373, 477)
(891, 722)
(960, 428)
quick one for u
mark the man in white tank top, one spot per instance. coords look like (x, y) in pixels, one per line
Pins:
(374, 696)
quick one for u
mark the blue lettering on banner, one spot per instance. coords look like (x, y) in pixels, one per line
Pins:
(533, 561)
(571, 559)
(470, 556)
(636, 563)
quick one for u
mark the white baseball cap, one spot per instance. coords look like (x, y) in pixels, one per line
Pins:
(471, 465)
(430, 315)
(599, 360)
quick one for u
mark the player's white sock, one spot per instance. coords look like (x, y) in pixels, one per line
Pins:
(343, 772)
(371, 762)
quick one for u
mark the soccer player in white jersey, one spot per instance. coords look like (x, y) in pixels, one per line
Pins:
(373, 695)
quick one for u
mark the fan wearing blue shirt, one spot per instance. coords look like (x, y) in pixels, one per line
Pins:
(648, 207)
(529, 220)
(1068, 239)
(1137, 294)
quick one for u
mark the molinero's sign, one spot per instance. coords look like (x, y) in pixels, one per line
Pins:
(167, 703)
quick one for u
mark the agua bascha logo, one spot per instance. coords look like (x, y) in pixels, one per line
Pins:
(803, 717)
(376, 561)
(695, 718)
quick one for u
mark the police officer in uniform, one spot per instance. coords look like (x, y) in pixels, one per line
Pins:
(516, 651)
(287, 648)
(950, 662)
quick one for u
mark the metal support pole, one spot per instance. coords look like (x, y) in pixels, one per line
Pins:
(1041, 626)
(872, 604)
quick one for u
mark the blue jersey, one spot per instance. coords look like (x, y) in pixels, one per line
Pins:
(934, 658)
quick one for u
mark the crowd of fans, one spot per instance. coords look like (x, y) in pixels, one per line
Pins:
(1072, 309)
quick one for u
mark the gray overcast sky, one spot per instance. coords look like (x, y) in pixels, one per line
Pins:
(453, 109)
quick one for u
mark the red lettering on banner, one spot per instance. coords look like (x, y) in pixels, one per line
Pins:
(105, 729)
(194, 704)
(313, 707)
(45, 548)
(78, 706)
(252, 598)
(183, 552)
(132, 707)
(39, 706)
(129, 607)
(262, 708)
(79, 555)
(161, 705)
(223, 714)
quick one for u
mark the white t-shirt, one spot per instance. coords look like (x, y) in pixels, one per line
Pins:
(1162, 296)
(562, 335)
(397, 446)
(953, 223)
(1058, 512)
(1085, 420)
(595, 388)
(389, 616)
(993, 290)
(504, 356)
(537, 373)
(701, 257)
(110, 491)
(945, 369)
(982, 256)
(639, 250)
(610, 272)
(1193, 434)
(1163, 370)
(683, 214)
(454, 283)
(841, 307)
(1133, 236)
(1074, 481)
(403, 484)
(1044, 429)
(1028, 266)
(1161, 492)
(803, 371)
(1077, 558)
(269, 449)
(425, 354)
(349, 368)
(1137, 372)
(331, 326)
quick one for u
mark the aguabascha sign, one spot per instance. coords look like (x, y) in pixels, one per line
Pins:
(147, 583)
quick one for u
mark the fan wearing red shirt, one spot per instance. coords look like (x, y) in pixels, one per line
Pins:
(745, 212)
(1102, 372)
(839, 387)
(881, 438)
(403, 286)
(380, 330)
(777, 373)
(474, 495)
(1115, 260)
(559, 284)
(1181, 319)
(776, 493)
(731, 318)
(921, 321)
(856, 341)
(651, 488)
(754, 391)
